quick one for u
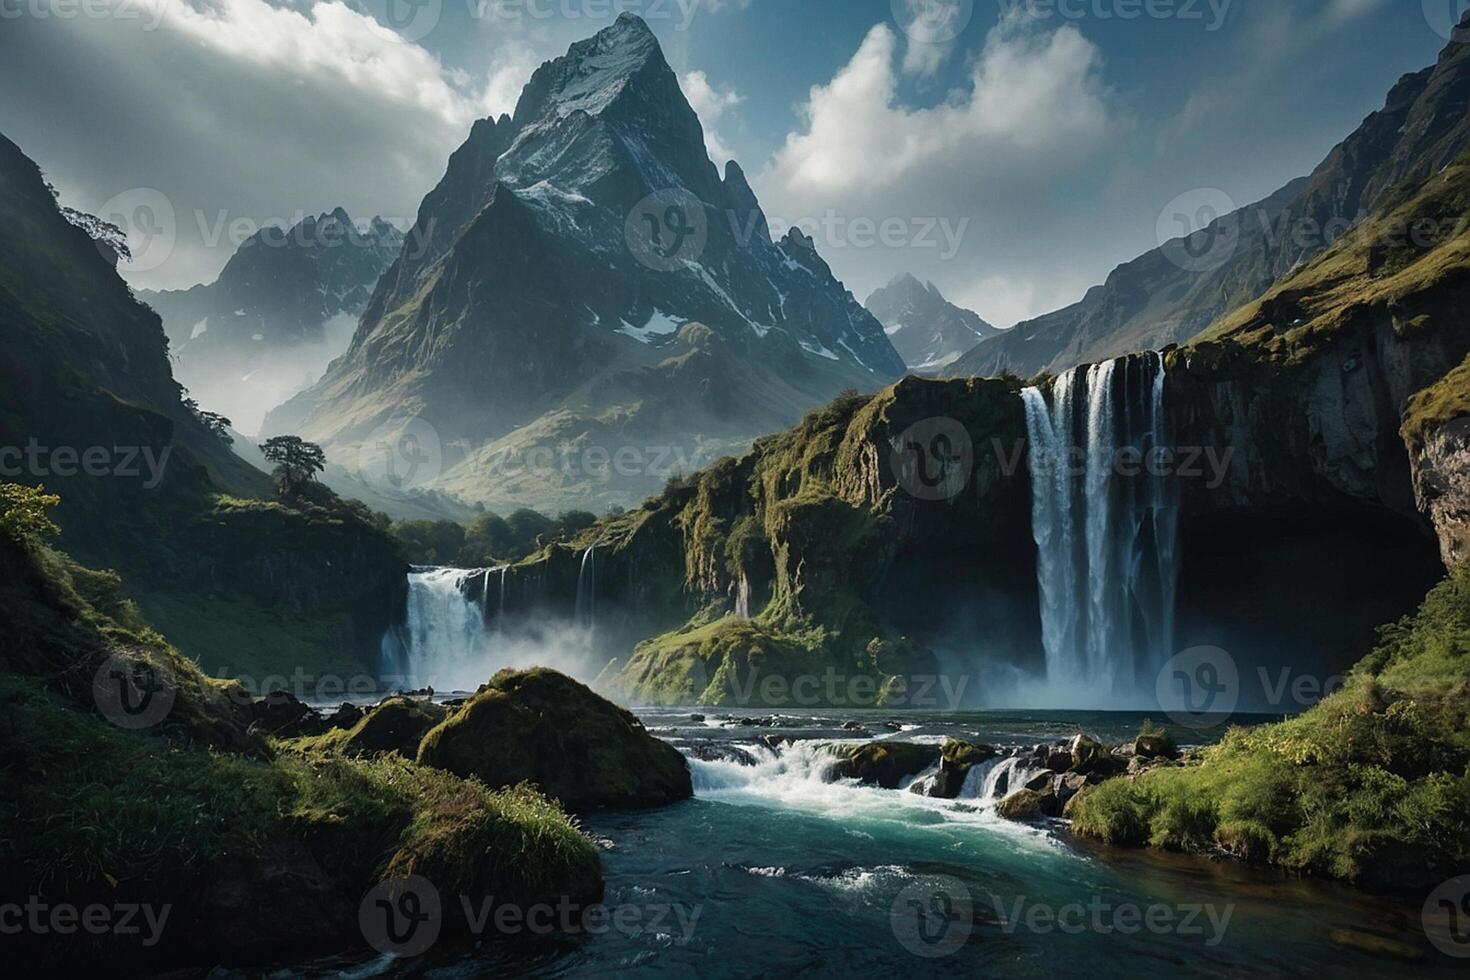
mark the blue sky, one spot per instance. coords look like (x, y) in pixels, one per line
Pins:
(1016, 163)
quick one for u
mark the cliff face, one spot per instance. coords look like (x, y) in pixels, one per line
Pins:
(1319, 437)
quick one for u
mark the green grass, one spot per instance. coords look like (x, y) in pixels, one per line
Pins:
(1371, 785)
(1444, 401)
(237, 636)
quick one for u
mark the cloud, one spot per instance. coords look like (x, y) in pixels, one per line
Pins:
(1342, 11)
(984, 161)
(241, 110)
(710, 104)
(1033, 94)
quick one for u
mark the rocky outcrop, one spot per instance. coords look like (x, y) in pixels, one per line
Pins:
(882, 764)
(542, 727)
(1442, 487)
(956, 759)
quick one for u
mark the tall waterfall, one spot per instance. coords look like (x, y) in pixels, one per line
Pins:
(1105, 519)
(445, 631)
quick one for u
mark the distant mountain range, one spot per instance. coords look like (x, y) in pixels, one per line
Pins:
(284, 305)
(1171, 294)
(928, 331)
(584, 282)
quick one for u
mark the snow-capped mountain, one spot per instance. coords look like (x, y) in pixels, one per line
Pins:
(283, 307)
(584, 273)
(927, 330)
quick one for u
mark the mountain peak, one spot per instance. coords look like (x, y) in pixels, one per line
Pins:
(593, 72)
(926, 329)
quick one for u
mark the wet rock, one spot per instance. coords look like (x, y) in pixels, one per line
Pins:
(696, 718)
(721, 752)
(1065, 786)
(1028, 804)
(1091, 756)
(893, 726)
(542, 727)
(1041, 782)
(885, 764)
(956, 759)
(1059, 760)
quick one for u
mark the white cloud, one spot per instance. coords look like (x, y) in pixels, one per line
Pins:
(243, 110)
(1342, 11)
(1033, 94)
(985, 160)
(711, 105)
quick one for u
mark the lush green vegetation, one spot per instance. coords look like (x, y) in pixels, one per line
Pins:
(198, 803)
(489, 539)
(1407, 264)
(1370, 785)
(1442, 402)
(799, 527)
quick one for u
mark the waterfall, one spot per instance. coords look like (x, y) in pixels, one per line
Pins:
(587, 590)
(742, 598)
(445, 631)
(1105, 521)
(500, 614)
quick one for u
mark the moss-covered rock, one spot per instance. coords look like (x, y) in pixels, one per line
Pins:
(885, 764)
(1029, 804)
(396, 726)
(541, 727)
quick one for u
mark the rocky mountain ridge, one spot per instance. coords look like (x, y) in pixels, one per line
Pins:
(1171, 294)
(927, 330)
(586, 276)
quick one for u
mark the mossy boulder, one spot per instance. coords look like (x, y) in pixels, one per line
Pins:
(956, 759)
(542, 727)
(397, 725)
(1029, 804)
(885, 764)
